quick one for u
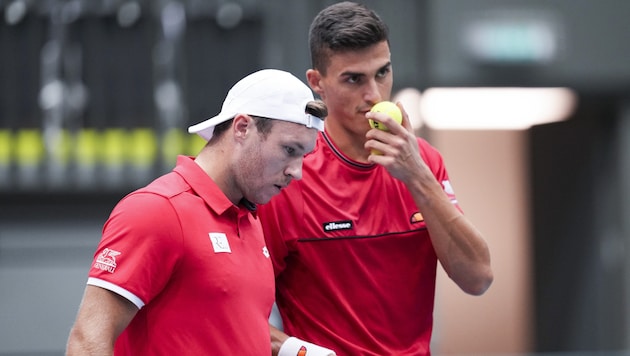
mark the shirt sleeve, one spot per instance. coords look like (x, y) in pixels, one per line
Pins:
(435, 161)
(139, 249)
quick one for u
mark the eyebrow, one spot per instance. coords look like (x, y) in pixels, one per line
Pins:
(299, 145)
(358, 74)
(352, 74)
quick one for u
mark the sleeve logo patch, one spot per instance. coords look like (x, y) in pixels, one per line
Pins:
(448, 188)
(106, 260)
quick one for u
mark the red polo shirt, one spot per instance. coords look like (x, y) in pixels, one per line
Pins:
(355, 267)
(195, 265)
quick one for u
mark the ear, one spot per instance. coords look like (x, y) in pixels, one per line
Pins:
(241, 125)
(314, 78)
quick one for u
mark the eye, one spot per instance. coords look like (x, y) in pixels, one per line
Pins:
(383, 72)
(290, 150)
(354, 79)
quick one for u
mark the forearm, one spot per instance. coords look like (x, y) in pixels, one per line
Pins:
(102, 317)
(460, 247)
(277, 338)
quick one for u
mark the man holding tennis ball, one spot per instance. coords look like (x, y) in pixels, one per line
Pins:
(355, 244)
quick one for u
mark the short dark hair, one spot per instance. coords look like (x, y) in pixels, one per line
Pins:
(316, 108)
(341, 27)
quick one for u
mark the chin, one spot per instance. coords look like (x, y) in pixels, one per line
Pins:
(263, 200)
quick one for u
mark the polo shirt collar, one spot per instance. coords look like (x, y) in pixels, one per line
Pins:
(206, 188)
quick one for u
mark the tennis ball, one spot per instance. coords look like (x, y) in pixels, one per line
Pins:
(389, 108)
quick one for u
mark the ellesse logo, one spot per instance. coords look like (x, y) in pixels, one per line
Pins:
(338, 225)
(416, 218)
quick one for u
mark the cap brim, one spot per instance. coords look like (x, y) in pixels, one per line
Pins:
(206, 128)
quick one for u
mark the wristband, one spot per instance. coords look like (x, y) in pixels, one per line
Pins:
(296, 347)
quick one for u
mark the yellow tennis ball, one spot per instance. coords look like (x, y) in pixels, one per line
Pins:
(388, 108)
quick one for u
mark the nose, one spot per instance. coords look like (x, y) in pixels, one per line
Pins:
(372, 93)
(294, 169)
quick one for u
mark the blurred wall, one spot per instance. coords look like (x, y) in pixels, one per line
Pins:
(46, 247)
(489, 172)
(580, 233)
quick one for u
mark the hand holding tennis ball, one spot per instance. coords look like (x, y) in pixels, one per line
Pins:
(389, 108)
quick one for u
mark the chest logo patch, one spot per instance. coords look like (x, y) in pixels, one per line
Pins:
(338, 225)
(220, 242)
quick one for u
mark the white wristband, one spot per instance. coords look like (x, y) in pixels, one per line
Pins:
(296, 347)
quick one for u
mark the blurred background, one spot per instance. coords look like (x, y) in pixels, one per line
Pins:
(528, 100)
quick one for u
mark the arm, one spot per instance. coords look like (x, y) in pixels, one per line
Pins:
(102, 316)
(459, 246)
(277, 338)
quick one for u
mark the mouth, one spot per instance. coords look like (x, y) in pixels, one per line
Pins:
(282, 185)
(367, 108)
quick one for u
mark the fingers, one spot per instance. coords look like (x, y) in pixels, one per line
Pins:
(385, 144)
(392, 134)
(406, 123)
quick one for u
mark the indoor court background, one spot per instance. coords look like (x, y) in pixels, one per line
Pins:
(96, 96)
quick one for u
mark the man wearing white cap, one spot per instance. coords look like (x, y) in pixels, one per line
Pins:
(182, 267)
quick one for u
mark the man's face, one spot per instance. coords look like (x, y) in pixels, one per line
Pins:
(268, 164)
(354, 82)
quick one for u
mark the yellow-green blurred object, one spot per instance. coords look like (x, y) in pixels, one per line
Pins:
(195, 144)
(6, 144)
(173, 144)
(142, 147)
(29, 147)
(62, 146)
(114, 149)
(87, 146)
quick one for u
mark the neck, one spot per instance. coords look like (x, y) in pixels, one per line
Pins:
(350, 143)
(213, 161)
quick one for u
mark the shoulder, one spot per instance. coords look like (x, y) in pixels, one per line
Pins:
(155, 196)
(149, 208)
(429, 153)
(426, 147)
(167, 186)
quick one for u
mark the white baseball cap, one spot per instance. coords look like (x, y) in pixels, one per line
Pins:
(269, 93)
